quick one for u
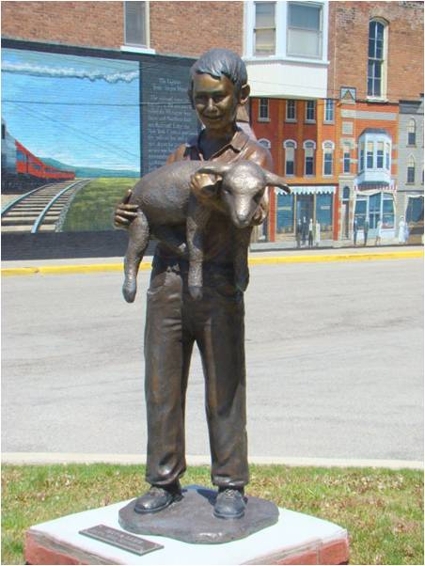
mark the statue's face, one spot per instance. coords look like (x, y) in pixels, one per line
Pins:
(215, 101)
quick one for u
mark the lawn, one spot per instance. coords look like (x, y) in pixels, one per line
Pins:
(381, 509)
(94, 205)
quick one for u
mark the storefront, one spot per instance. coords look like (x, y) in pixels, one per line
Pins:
(305, 203)
(376, 202)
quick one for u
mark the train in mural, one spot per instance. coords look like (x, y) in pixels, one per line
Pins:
(21, 170)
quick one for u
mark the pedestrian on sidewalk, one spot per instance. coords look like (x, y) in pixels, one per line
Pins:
(310, 233)
(355, 229)
(365, 230)
(298, 233)
(317, 234)
(402, 231)
(304, 230)
(378, 233)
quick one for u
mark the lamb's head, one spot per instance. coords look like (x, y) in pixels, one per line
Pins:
(243, 187)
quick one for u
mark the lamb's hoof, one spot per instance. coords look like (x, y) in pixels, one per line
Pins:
(129, 290)
(195, 292)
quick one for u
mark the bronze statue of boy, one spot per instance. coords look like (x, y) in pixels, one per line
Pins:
(175, 321)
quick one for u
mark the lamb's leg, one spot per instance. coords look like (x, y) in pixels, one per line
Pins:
(241, 243)
(138, 241)
(197, 219)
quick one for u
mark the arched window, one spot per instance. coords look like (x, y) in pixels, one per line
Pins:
(411, 169)
(309, 149)
(411, 132)
(265, 143)
(290, 146)
(328, 153)
(377, 55)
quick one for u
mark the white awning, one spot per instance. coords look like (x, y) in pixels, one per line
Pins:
(310, 189)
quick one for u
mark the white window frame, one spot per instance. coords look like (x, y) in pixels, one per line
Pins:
(137, 47)
(411, 170)
(346, 160)
(383, 62)
(309, 147)
(263, 103)
(264, 28)
(310, 105)
(329, 111)
(281, 33)
(304, 31)
(290, 147)
(411, 132)
(265, 143)
(294, 104)
(328, 148)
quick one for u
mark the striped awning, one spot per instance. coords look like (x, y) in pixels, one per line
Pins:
(310, 189)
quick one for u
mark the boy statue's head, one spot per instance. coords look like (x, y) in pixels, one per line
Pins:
(223, 66)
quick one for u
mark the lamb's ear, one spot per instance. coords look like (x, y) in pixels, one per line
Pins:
(276, 181)
(217, 169)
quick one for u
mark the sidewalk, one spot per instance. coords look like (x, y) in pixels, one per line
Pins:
(259, 254)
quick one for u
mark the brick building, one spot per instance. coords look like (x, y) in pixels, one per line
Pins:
(328, 107)
(331, 82)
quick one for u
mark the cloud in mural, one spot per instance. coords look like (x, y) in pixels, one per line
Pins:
(69, 72)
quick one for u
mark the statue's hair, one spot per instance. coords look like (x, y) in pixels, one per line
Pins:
(221, 62)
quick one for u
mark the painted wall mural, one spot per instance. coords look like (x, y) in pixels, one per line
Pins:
(94, 123)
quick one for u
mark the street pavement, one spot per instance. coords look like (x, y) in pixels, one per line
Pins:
(334, 343)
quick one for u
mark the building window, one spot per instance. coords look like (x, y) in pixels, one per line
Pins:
(263, 110)
(369, 155)
(135, 19)
(265, 143)
(291, 111)
(304, 30)
(290, 147)
(328, 149)
(310, 111)
(309, 148)
(346, 160)
(411, 132)
(265, 30)
(380, 155)
(376, 73)
(329, 110)
(411, 170)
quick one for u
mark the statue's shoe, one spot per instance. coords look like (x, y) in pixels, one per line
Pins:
(158, 498)
(230, 503)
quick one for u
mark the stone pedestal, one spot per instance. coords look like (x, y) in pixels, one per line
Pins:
(293, 539)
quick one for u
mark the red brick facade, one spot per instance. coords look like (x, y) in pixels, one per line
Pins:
(348, 41)
(176, 28)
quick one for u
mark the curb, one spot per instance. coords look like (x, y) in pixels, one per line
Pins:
(51, 458)
(108, 267)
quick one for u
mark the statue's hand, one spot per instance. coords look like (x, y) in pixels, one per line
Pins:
(125, 213)
(203, 186)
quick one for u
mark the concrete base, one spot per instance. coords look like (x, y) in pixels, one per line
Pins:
(294, 539)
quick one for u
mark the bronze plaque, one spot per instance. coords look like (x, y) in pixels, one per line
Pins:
(120, 539)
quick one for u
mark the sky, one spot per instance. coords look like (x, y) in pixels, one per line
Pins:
(82, 111)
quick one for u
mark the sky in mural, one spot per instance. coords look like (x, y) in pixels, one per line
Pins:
(82, 111)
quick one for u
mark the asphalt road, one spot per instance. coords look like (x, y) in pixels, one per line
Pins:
(334, 358)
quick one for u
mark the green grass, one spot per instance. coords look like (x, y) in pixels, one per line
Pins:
(381, 509)
(93, 206)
